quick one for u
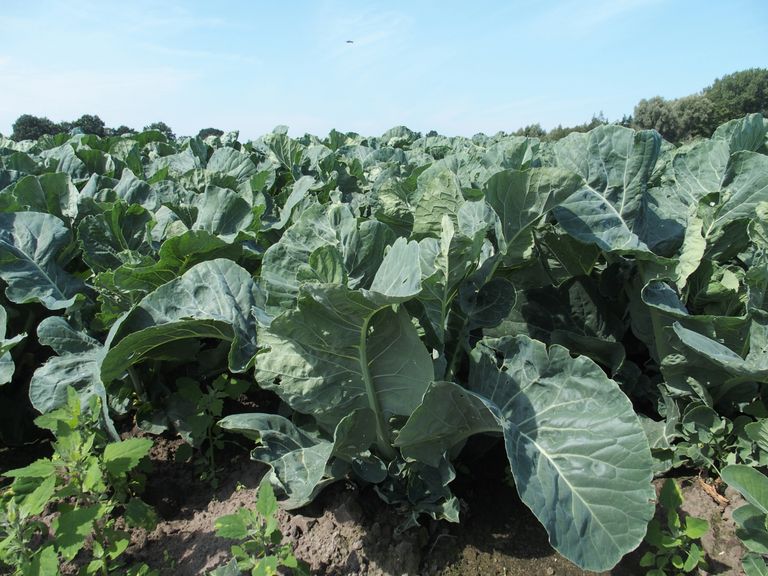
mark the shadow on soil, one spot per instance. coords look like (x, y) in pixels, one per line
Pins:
(350, 531)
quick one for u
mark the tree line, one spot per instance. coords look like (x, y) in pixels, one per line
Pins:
(29, 127)
(682, 119)
(677, 120)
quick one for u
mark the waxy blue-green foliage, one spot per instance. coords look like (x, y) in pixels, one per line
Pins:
(581, 301)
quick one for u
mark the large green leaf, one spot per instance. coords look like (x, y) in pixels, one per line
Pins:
(133, 190)
(60, 335)
(666, 307)
(698, 169)
(439, 193)
(51, 193)
(745, 185)
(299, 190)
(286, 263)
(746, 133)
(575, 315)
(445, 264)
(122, 288)
(612, 208)
(222, 212)
(362, 354)
(753, 367)
(521, 198)
(232, 162)
(577, 451)
(752, 484)
(118, 236)
(301, 463)
(213, 299)
(33, 249)
(280, 266)
(77, 366)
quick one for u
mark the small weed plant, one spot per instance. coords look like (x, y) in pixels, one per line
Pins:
(261, 551)
(82, 486)
(675, 540)
(202, 408)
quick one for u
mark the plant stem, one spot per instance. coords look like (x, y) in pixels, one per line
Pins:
(382, 428)
(138, 387)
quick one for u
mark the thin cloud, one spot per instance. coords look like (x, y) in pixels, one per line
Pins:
(579, 18)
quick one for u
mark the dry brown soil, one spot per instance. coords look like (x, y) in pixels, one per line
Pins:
(348, 531)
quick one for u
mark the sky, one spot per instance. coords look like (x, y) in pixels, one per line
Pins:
(456, 67)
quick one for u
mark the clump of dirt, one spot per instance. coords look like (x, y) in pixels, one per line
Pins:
(349, 531)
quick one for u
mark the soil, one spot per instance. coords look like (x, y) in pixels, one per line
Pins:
(349, 531)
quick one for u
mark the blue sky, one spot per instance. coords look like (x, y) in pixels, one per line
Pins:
(456, 67)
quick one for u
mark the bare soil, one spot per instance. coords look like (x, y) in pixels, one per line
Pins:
(349, 531)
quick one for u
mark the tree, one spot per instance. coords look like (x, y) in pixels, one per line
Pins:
(739, 94)
(123, 129)
(161, 127)
(205, 132)
(89, 124)
(560, 131)
(532, 131)
(658, 114)
(28, 127)
(695, 116)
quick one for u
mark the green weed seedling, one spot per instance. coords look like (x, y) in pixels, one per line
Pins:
(82, 484)
(261, 551)
(674, 542)
(752, 518)
(202, 409)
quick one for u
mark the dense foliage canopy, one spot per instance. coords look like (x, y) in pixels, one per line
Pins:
(595, 305)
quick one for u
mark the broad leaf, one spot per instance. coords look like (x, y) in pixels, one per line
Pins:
(233, 163)
(521, 198)
(222, 212)
(299, 462)
(118, 236)
(32, 247)
(611, 207)
(213, 299)
(52, 193)
(121, 457)
(579, 456)
(365, 355)
(752, 484)
(439, 195)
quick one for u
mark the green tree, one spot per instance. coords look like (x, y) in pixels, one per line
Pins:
(122, 129)
(532, 131)
(161, 127)
(89, 124)
(561, 131)
(205, 132)
(739, 94)
(695, 116)
(29, 127)
(658, 114)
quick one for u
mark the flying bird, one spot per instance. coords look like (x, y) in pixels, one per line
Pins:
(350, 41)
